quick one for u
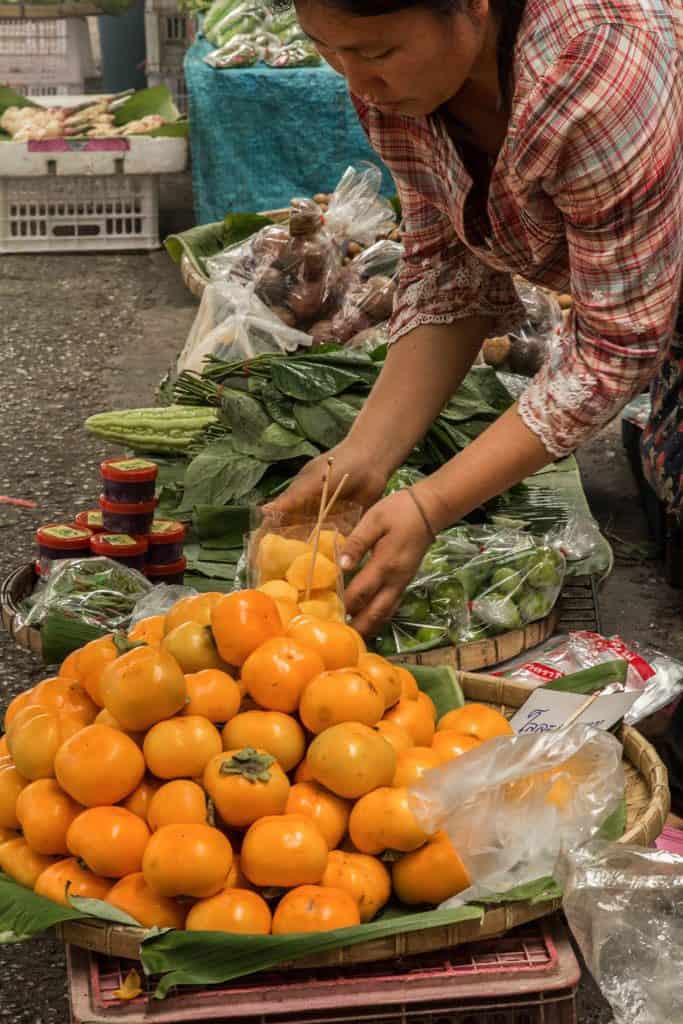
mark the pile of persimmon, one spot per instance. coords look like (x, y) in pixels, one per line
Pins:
(228, 768)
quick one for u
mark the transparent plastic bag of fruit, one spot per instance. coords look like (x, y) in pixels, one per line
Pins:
(512, 804)
(159, 601)
(284, 561)
(357, 211)
(623, 905)
(96, 590)
(524, 349)
(294, 268)
(234, 324)
(368, 297)
(658, 677)
(475, 582)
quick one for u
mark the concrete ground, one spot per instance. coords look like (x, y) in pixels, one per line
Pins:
(81, 334)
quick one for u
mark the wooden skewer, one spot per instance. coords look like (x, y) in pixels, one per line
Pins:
(580, 710)
(318, 526)
(330, 505)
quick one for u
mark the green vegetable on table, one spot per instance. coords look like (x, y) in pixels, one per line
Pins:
(169, 428)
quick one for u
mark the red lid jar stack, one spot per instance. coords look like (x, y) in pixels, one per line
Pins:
(57, 541)
(121, 547)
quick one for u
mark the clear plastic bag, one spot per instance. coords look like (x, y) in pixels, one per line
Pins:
(524, 350)
(623, 904)
(159, 601)
(369, 294)
(240, 52)
(513, 804)
(245, 18)
(475, 582)
(98, 591)
(284, 559)
(234, 324)
(296, 54)
(357, 212)
(657, 676)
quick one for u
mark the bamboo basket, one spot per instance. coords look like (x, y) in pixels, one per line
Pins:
(648, 801)
(480, 654)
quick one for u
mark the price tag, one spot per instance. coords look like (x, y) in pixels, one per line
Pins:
(547, 710)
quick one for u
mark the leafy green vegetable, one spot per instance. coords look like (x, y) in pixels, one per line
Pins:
(220, 475)
(311, 382)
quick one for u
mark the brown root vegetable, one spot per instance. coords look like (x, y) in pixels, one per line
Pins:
(271, 243)
(347, 325)
(284, 314)
(565, 301)
(527, 357)
(322, 199)
(271, 286)
(354, 249)
(322, 331)
(395, 235)
(305, 217)
(307, 301)
(378, 302)
(496, 351)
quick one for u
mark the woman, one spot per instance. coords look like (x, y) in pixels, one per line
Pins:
(545, 139)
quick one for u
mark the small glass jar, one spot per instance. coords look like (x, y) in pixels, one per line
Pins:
(129, 481)
(57, 541)
(165, 542)
(121, 547)
(121, 517)
(173, 573)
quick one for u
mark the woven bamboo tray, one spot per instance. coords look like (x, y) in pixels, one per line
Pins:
(648, 801)
(481, 654)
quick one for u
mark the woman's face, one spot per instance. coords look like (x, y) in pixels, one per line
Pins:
(410, 62)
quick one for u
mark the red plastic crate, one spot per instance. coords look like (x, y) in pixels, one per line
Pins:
(527, 977)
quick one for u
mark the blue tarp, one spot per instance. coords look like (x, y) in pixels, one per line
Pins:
(262, 135)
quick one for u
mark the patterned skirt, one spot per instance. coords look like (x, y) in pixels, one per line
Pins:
(662, 444)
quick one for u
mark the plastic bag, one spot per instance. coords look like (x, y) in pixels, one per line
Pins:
(240, 52)
(524, 350)
(283, 559)
(296, 54)
(159, 600)
(623, 904)
(475, 582)
(657, 676)
(99, 591)
(357, 211)
(511, 805)
(234, 324)
(247, 17)
(369, 295)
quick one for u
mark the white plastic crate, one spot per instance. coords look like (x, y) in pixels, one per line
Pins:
(41, 54)
(175, 81)
(117, 211)
(167, 35)
(101, 194)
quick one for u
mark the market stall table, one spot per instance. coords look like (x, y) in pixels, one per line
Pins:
(261, 135)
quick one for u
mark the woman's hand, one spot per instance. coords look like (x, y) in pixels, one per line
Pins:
(365, 484)
(398, 537)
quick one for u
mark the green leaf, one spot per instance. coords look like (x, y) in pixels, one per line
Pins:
(23, 914)
(615, 826)
(310, 382)
(535, 892)
(238, 226)
(588, 680)
(279, 409)
(220, 475)
(275, 444)
(157, 100)
(218, 523)
(10, 98)
(198, 244)
(103, 911)
(206, 584)
(218, 556)
(327, 422)
(209, 958)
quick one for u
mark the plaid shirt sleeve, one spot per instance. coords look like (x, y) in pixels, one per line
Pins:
(440, 279)
(605, 135)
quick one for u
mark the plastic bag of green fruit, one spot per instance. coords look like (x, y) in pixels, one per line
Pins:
(475, 582)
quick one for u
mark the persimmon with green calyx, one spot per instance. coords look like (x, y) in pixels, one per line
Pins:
(143, 687)
(246, 785)
(193, 647)
(67, 878)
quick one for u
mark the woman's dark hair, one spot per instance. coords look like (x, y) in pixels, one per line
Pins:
(509, 13)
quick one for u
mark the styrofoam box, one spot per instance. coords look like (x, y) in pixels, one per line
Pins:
(94, 195)
(175, 81)
(42, 53)
(167, 36)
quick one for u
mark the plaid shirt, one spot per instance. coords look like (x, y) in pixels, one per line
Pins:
(586, 196)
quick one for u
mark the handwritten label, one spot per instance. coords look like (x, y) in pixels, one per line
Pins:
(547, 710)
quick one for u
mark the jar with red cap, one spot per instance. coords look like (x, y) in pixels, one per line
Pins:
(165, 542)
(123, 517)
(129, 481)
(91, 520)
(173, 573)
(121, 547)
(62, 540)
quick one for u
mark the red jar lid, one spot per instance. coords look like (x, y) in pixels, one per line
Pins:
(91, 520)
(167, 531)
(136, 470)
(118, 545)
(63, 536)
(172, 569)
(127, 508)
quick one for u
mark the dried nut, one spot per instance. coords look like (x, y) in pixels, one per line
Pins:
(565, 301)
(395, 235)
(304, 217)
(306, 301)
(354, 249)
(322, 331)
(322, 199)
(496, 350)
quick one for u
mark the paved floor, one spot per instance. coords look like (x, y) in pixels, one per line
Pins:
(79, 334)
